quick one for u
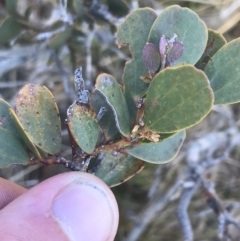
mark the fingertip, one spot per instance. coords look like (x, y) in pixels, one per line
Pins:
(80, 205)
(86, 210)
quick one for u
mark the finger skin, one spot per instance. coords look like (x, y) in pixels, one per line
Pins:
(9, 191)
(29, 217)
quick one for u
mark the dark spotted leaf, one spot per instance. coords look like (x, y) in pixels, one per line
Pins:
(38, 113)
(11, 151)
(24, 135)
(84, 127)
(6, 120)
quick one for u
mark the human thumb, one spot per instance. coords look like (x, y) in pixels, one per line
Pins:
(71, 206)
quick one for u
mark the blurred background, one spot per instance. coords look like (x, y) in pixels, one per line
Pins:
(197, 195)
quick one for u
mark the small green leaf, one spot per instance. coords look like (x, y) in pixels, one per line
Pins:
(134, 31)
(11, 6)
(214, 43)
(78, 6)
(60, 39)
(84, 127)
(177, 98)
(188, 27)
(11, 151)
(6, 120)
(174, 53)
(38, 113)
(118, 7)
(223, 72)
(111, 90)
(132, 110)
(161, 152)
(25, 136)
(107, 122)
(118, 168)
(9, 30)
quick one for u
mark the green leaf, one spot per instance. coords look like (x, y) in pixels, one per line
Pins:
(111, 90)
(118, 168)
(118, 7)
(84, 127)
(177, 98)
(107, 122)
(24, 135)
(161, 152)
(214, 43)
(78, 6)
(60, 39)
(38, 113)
(132, 110)
(6, 120)
(134, 31)
(11, 151)
(9, 30)
(223, 72)
(11, 6)
(190, 30)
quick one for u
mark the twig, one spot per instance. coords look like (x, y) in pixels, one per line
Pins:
(215, 203)
(98, 9)
(65, 77)
(65, 17)
(19, 176)
(88, 45)
(155, 183)
(6, 84)
(183, 212)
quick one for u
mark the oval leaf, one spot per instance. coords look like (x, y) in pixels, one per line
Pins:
(134, 31)
(6, 120)
(177, 98)
(11, 151)
(151, 57)
(38, 113)
(118, 7)
(107, 122)
(11, 6)
(118, 168)
(111, 90)
(60, 39)
(161, 152)
(224, 73)
(188, 27)
(25, 136)
(214, 43)
(9, 30)
(174, 53)
(84, 127)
